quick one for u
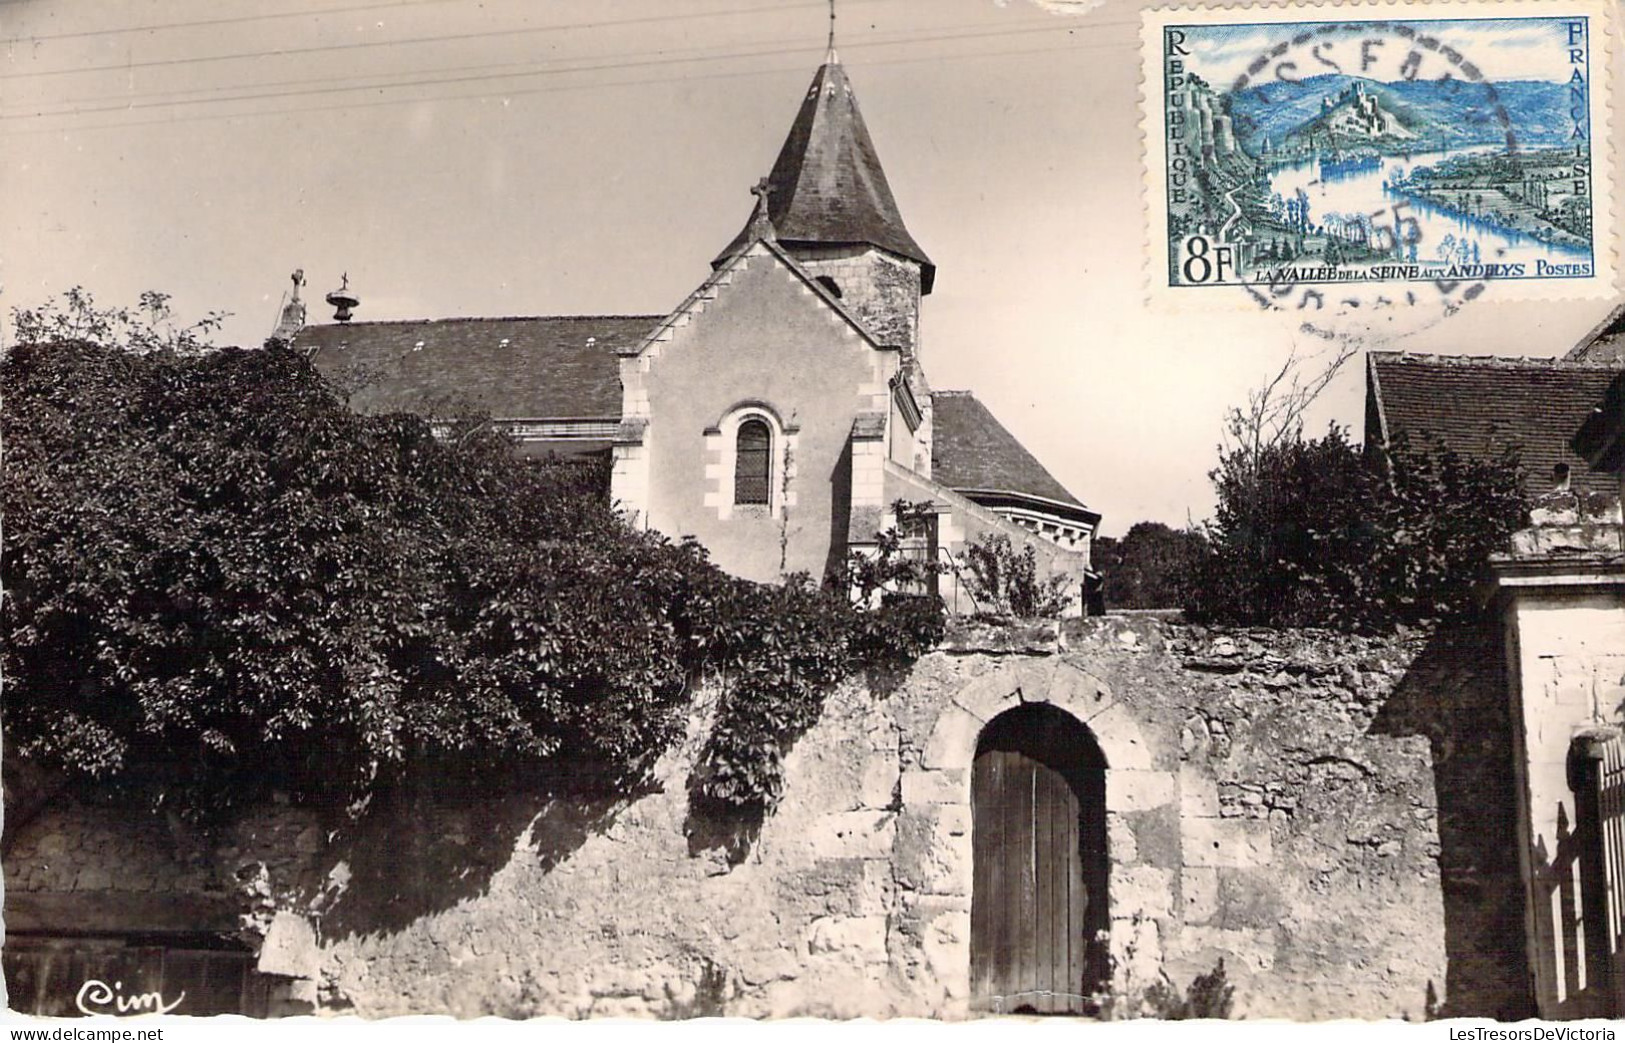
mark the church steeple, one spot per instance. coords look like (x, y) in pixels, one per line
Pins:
(827, 187)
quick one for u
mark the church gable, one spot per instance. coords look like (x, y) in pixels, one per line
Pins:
(759, 367)
(713, 287)
(769, 415)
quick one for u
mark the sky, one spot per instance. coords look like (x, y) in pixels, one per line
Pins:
(1502, 49)
(560, 157)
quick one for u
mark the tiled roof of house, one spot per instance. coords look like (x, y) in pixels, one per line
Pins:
(972, 451)
(1480, 407)
(1605, 344)
(827, 185)
(530, 368)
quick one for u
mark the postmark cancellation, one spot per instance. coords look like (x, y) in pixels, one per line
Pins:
(1399, 151)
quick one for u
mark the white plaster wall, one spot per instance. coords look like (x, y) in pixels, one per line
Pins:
(1569, 675)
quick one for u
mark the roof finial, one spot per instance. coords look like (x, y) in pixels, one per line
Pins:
(830, 58)
(292, 319)
(761, 222)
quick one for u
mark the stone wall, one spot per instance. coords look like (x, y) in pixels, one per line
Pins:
(881, 289)
(1285, 802)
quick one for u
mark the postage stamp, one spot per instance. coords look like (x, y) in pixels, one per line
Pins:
(1393, 155)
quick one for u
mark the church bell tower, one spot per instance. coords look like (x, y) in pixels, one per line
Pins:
(827, 204)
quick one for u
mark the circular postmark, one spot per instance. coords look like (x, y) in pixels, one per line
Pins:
(1371, 177)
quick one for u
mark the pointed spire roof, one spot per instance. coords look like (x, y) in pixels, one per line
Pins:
(827, 186)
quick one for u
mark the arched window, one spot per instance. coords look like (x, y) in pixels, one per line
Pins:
(753, 462)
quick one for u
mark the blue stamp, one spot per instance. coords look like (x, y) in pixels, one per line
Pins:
(1321, 149)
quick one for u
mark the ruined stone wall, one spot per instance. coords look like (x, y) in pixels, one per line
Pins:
(1315, 810)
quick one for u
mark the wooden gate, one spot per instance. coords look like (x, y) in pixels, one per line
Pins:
(1597, 762)
(1038, 839)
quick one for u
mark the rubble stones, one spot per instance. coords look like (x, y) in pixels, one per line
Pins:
(1277, 809)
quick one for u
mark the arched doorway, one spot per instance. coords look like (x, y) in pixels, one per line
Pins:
(1038, 839)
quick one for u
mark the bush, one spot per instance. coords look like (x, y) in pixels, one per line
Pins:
(1150, 567)
(1210, 996)
(1315, 533)
(221, 582)
(891, 568)
(1006, 581)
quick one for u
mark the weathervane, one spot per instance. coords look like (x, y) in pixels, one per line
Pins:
(831, 57)
(344, 299)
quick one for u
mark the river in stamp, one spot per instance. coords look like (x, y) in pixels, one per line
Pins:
(1414, 155)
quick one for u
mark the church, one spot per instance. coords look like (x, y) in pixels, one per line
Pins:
(778, 413)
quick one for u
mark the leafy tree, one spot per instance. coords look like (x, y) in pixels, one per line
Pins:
(1444, 515)
(1313, 532)
(220, 582)
(149, 328)
(1293, 534)
(1316, 533)
(1150, 567)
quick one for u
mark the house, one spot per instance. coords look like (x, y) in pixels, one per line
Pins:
(1606, 343)
(1601, 439)
(1558, 590)
(1486, 407)
(779, 411)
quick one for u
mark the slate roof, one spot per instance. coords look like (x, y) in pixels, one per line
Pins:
(1480, 407)
(1604, 344)
(558, 367)
(827, 185)
(972, 452)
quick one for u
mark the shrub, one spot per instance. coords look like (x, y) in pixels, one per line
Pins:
(1315, 533)
(221, 582)
(1210, 996)
(1150, 566)
(891, 568)
(1007, 581)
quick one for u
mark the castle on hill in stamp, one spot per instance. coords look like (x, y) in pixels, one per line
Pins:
(1288, 148)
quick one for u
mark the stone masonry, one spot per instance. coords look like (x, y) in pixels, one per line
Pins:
(1273, 800)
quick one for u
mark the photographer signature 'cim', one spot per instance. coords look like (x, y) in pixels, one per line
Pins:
(97, 997)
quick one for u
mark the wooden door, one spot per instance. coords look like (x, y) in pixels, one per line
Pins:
(1038, 848)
